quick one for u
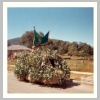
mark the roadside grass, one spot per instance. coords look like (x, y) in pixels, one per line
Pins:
(80, 65)
(11, 62)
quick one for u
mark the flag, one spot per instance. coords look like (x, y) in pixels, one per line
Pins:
(38, 39)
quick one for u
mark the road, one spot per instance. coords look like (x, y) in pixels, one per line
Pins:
(15, 86)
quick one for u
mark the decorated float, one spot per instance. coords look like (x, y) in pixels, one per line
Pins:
(42, 64)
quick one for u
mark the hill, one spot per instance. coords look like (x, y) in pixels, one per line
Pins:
(14, 41)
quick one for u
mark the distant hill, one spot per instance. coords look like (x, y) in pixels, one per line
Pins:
(14, 41)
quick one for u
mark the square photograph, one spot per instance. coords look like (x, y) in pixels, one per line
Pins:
(50, 49)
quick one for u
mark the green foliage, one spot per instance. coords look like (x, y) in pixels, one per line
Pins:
(44, 66)
(74, 48)
(27, 39)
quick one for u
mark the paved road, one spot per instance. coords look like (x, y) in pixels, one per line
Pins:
(15, 86)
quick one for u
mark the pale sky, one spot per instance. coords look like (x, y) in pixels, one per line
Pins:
(65, 23)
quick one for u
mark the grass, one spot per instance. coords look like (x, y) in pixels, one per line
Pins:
(11, 62)
(79, 65)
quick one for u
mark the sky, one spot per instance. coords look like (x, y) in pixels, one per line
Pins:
(73, 24)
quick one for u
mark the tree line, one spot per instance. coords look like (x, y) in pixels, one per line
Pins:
(63, 47)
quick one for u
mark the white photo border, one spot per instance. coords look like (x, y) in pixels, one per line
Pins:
(47, 4)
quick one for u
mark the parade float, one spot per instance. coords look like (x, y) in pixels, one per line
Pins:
(42, 64)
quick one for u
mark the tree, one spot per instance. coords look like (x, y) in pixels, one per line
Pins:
(73, 48)
(27, 39)
(85, 49)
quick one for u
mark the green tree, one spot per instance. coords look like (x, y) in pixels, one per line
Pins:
(73, 48)
(85, 49)
(27, 39)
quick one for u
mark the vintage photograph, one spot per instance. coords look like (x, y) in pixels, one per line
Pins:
(50, 49)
